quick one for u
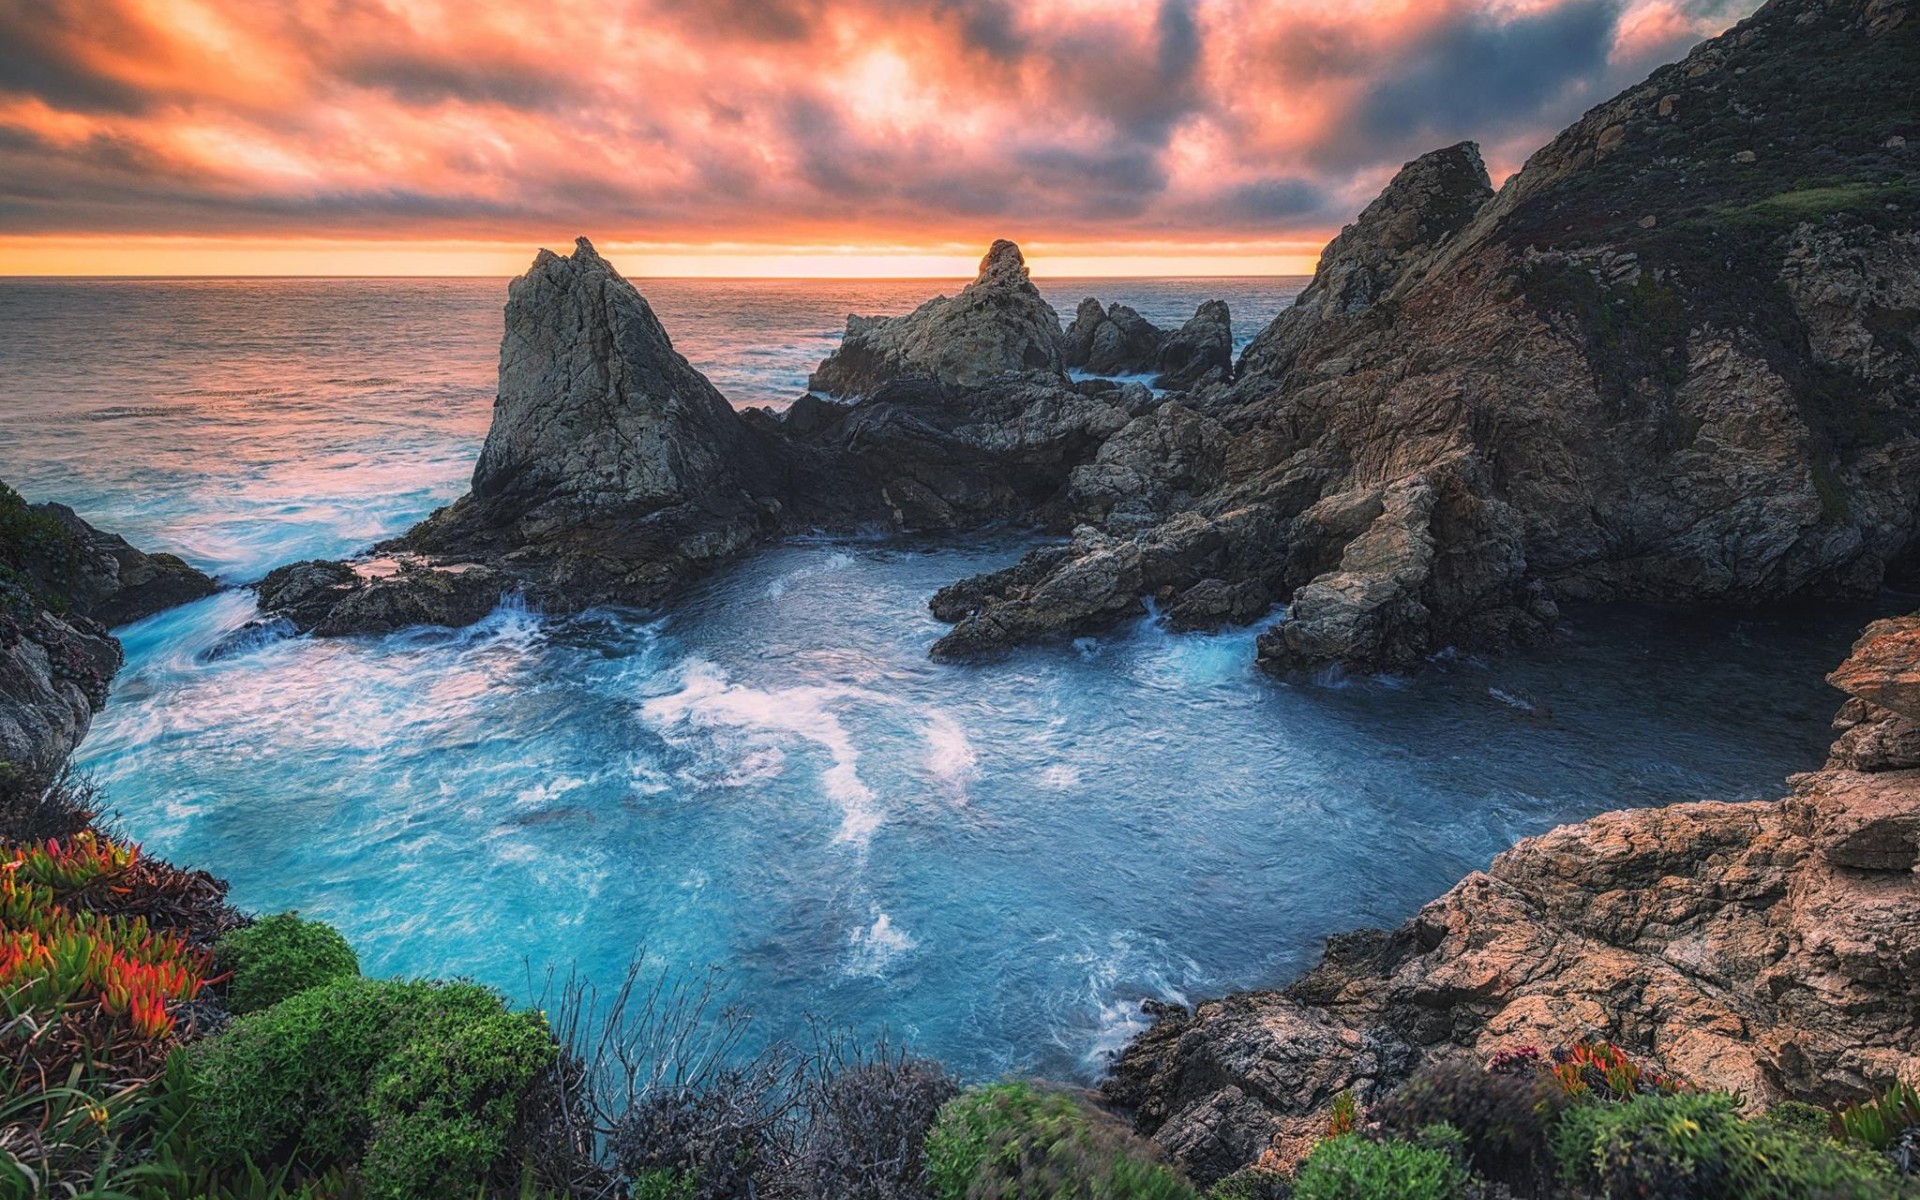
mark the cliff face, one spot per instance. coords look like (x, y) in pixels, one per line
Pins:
(1768, 948)
(1673, 359)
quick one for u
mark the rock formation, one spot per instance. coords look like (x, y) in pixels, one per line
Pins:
(1770, 948)
(1655, 366)
(1111, 340)
(61, 583)
(1201, 351)
(1652, 367)
(615, 473)
(998, 326)
(1116, 340)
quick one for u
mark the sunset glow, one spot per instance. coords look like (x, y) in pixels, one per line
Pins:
(789, 137)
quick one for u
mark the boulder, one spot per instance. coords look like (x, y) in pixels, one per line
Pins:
(998, 326)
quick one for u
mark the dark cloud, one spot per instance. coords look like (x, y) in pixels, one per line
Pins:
(42, 44)
(736, 119)
(1475, 75)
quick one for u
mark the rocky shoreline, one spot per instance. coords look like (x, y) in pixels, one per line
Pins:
(1770, 949)
(1673, 359)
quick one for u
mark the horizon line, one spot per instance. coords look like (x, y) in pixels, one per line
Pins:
(10, 278)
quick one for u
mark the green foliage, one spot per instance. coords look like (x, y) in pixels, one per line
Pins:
(1503, 1117)
(1794, 1116)
(1696, 1147)
(661, 1183)
(1013, 1141)
(420, 1082)
(29, 534)
(1353, 1168)
(279, 955)
(1880, 1122)
(1250, 1183)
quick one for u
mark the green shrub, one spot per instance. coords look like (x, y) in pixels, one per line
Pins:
(1013, 1141)
(1880, 1122)
(277, 956)
(1250, 1183)
(662, 1184)
(1794, 1116)
(1696, 1147)
(419, 1082)
(1504, 1117)
(1353, 1168)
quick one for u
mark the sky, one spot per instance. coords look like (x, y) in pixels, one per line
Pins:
(757, 137)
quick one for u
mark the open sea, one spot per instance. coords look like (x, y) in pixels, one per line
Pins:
(995, 862)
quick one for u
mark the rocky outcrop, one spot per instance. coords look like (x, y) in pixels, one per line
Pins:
(1199, 352)
(612, 472)
(1676, 358)
(61, 582)
(998, 326)
(1114, 340)
(615, 473)
(1424, 208)
(1767, 948)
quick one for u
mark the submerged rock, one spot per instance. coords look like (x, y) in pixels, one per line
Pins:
(1768, 949)
(998, 326)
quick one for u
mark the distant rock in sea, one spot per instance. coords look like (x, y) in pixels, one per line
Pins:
(997, 327)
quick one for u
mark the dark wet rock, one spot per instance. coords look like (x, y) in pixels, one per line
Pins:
(116, 584)
(61, 582)
(1766, 949)
(78, 569)
(1114, 340)
(998, 326)
(922, 455)
(335, 599)
(1199, 352)
(1099, 579)
(305, 592)
(451, 596)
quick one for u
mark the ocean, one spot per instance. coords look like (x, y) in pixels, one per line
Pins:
(995, 862)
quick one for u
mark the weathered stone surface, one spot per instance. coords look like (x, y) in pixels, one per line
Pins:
(114, 583)
(1884, 668)
(54, 674)
(1114, 340)
(61, 581)
(997, 326)
(1201, 351)
(1767, 948)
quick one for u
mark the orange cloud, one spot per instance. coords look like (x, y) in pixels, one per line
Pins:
(776, 124)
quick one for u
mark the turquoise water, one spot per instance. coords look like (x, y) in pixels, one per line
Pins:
(996, 861)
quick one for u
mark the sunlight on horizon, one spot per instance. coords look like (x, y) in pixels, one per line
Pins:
(229, 258)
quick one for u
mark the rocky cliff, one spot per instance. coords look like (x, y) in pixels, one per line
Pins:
(1674, 359)
(62, 583)
(1769, 948)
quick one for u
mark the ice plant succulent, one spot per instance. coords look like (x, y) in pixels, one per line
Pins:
(55, 955)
